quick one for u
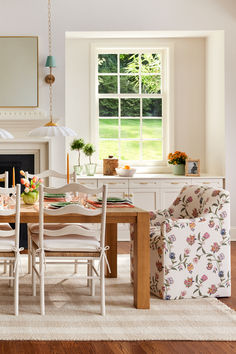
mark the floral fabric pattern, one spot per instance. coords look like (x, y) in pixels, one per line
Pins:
(190, 245)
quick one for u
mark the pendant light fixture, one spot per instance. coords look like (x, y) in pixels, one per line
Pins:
(51, 129)
(4, 134)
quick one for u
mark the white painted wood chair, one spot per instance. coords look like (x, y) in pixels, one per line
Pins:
(4, 177)
(72, 241)
(9, 243)
(45, 174)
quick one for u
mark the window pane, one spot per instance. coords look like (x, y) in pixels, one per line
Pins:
(130, 150)
(130, 128)
(151, 63)
(152, 128)
(108, 128)
(152, 107)
(107, 84)
(130, 107)
(152, 150)
(107, 148)
(151, 84)
(129, 63)
(129, 84)
(107, 63)
(108, 107)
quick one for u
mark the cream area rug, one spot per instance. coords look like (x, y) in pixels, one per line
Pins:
(73, 315)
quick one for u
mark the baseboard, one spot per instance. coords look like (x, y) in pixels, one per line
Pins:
(233, 233)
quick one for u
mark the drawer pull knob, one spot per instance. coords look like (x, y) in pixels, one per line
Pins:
(206, 182)
(143, 182)
(174, 182)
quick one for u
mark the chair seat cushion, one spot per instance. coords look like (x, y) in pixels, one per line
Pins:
(7, 243)
(34, 228)
(5, 227)
(68, 243)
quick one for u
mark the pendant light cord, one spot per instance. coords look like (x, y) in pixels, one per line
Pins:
(50, 53)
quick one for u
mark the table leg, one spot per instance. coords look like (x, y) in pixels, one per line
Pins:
(142, 262)
(111, 241)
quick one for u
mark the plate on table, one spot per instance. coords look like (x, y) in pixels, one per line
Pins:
(60, 204)
(54, 196)
(114, 200)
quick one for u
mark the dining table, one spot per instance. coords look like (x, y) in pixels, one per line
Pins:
(141, 251)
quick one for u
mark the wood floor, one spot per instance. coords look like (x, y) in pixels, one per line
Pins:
(142, 347)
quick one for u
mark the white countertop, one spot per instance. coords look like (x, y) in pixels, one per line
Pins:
(150, 176)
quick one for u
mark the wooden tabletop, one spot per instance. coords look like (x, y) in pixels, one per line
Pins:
(29, 214)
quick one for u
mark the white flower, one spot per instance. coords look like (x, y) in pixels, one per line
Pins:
(26, 190)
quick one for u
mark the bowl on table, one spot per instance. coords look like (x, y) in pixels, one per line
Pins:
(122, 172)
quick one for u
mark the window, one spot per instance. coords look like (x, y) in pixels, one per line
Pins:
(131, 101)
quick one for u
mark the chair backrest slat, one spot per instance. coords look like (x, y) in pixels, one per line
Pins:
(51, 173)
(16, 211)
(72, 209)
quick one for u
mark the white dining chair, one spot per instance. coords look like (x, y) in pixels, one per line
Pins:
(72, 241)
(9, 241)
(45, 174)
(4, 177)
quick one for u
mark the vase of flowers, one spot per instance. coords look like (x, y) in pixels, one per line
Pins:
(77, 145)
(30, 194)
(89, 150)
(177, 159)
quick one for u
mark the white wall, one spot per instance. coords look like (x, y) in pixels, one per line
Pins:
(29, 17)
(188, 88)
(215, 104)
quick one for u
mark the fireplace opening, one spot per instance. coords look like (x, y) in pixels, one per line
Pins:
(23, 162)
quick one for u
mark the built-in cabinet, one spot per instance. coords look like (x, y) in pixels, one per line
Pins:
(149, 192)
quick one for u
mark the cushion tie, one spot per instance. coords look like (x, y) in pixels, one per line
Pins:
(17, 256)
(103, 255)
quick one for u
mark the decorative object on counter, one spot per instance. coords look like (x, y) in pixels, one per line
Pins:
(110, 165)
(89, 150)
(51, 129)
(125, 171)
(192, 167)
(30, 194)
(77, 145)
(177, 159)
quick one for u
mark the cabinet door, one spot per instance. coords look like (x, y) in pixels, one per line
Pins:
(168, 196)
(144, 198)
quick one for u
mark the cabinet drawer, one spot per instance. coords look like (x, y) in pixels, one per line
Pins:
(91, 183)
(175, 183)
(214, 182)
(142, 183)
(115, 184)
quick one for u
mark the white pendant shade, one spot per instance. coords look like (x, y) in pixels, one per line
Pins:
(52, 131)
(4, 134)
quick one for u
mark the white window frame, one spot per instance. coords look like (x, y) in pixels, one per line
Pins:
(166, 95)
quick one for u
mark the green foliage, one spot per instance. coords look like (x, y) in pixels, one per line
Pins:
(89, 150)
(77, 144)
(107, 63)
(108, 107)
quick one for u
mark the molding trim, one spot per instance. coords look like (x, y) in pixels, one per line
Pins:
(233, 233)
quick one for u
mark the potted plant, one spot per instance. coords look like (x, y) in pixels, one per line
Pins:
(177, 159)
(30, 194)
(89, 150)
(77, 144)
